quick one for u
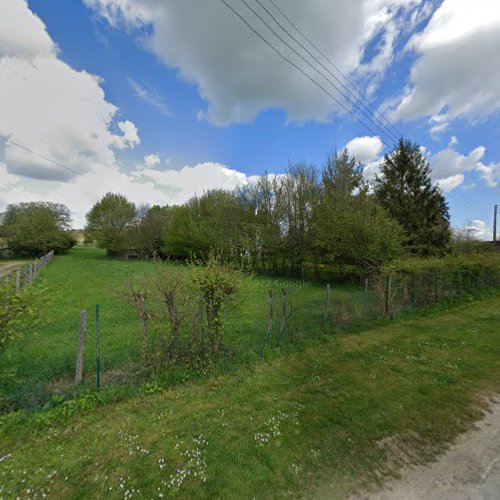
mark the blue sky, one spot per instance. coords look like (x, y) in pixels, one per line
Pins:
(164, 99)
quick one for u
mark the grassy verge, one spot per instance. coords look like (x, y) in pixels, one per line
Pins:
(342, 413)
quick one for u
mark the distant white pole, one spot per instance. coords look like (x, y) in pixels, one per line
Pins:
(495, 212)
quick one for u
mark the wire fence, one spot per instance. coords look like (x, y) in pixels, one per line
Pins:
(105, 346)
(26, 273)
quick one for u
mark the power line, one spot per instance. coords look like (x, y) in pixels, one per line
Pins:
(336, 68)
(46, 158)
(312, 66)
(267, 42)
(357, 102)
(289, 61)
(51, 160)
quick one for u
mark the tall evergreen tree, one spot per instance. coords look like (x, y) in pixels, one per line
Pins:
(406, 191)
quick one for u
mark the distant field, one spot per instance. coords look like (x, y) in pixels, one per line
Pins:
(86, 277)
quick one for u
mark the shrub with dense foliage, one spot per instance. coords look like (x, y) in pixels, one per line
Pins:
(420, 281)
(217, 285)
(17, 312)
(182, 311)
(33, 229)
(352, 228)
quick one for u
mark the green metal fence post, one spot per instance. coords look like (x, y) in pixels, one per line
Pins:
(387, 294)
(270, 323)
(413, 290)
(97, 347)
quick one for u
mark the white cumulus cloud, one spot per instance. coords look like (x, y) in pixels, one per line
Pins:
(365, 149)
(48, 107)
(237, 74)
(457, 73)
(193, 180)
(449, 167)
(146, 184)
(22, 34)
(476, 229)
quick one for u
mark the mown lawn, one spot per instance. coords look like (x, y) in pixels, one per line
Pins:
(339, 414)
(44, 362)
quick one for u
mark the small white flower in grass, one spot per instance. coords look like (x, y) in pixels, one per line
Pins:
(272, 427)
(194, 464)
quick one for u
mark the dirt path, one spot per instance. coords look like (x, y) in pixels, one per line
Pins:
(11, 266)
(470, 469)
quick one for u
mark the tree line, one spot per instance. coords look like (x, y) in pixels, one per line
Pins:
(287, 222)
(308, 217)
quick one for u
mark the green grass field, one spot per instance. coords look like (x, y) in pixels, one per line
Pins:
(324, 420)
(44, 362)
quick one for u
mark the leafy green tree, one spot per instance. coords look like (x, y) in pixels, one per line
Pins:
(342, 176)
(110, 222)
(351, 227)
(261, 222)
(147, 232)
(35, 228)
(406, 191)
(296, 199)
(205, 223)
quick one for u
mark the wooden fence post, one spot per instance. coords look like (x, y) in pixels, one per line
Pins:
(327, 304)
(202, 324)
(269, 323)
(140, 298)
(366, 296)
(387, 294)
(283, 311)
(18, 280)
(97, 347)
(81, 347)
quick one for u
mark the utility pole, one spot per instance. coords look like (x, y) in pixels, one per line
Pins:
(495, 212)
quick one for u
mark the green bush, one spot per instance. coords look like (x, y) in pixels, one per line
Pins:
(218, 285)
(417, 281)
(17, 312)
(33, 229)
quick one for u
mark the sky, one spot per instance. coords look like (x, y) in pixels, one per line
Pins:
(164, 99)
